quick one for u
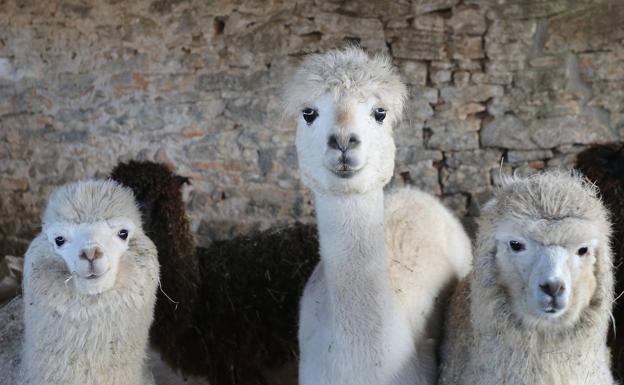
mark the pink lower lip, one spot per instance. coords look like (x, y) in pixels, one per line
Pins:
(95, 276)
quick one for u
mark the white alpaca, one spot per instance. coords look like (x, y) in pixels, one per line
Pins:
(90, 283)
(370, 313)
(536, 308)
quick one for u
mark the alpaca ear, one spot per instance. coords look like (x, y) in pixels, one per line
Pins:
(182, 180)
(489, 205)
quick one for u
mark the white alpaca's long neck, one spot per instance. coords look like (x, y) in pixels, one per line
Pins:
(353, 251)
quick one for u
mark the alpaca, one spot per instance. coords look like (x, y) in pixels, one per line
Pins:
(371, 311)
(90, 283)
(536, 308)
(604, 165)
(234, 320)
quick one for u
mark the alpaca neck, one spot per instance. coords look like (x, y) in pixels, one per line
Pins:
(353, 252)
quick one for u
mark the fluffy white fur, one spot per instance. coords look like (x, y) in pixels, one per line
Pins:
(11, 340)
(503, 326)
(370, 313)
(83, 326)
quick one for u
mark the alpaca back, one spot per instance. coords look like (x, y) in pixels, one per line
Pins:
(72, 338)
(429, 254)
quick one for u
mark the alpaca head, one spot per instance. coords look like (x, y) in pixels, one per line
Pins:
(346, 104)
(155, 187)
(546, 238)
(90, 225)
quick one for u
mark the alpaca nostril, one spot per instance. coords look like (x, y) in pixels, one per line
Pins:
(553, 288)
(333, 143)
(354, 141)
(343, 143)
(91, 253)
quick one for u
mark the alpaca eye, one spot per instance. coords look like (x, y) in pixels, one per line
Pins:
(516, 246)
(582, 251)
(309, 114)
(59, 241)
(379, 114)
(123, 234)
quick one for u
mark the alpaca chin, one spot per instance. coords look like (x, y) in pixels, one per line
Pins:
(94, 286)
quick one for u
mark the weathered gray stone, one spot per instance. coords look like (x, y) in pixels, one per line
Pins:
(427, 41)
(517, 156)
(461, 78)
(465, 179)
(507, 132)
(196, 85)
(423, 175)
(553, 132)
(467, 20)
(467, 48)
(477, 93)
(406, 155)
(440, 76)
(454, 134)
(414, 72)
(510, 132)
(485, 158)
(427, 6)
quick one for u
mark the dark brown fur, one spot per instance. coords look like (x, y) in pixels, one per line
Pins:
(604, 165)
(236, 320)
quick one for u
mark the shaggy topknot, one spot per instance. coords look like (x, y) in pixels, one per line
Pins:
(551, 196)
(348, 71)
(91, 201)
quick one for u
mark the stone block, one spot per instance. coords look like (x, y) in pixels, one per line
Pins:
(465, 179)
(454, 134)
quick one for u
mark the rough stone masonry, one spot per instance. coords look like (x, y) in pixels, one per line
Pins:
(195, 84)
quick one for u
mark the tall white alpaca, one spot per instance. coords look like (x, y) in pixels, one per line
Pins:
(90, 283)
(370, 313)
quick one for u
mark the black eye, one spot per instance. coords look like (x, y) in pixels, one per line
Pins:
(379, 114)
(123, 234)
(516, 246)
(309, 114)
(582, 251)
(59, 241)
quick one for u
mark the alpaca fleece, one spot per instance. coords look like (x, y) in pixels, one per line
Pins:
(604, 166)
(67, 337)
(370, 313)
(237, 300)
(11, 339)
(486, 343)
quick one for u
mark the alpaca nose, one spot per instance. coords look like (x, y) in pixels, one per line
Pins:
(343, 142)
(91, 253)
(553, 287)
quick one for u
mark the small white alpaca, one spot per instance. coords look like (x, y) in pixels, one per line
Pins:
(90, 282)
(535, 310)
(371, 311)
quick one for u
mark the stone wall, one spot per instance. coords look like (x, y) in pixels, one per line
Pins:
(195, 84)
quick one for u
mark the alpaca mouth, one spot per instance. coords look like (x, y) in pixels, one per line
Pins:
(345, 174)
(553, 308)
(93, 276)
(345, 170)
